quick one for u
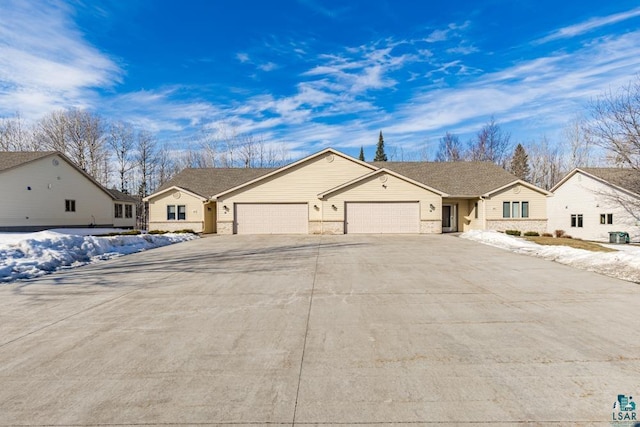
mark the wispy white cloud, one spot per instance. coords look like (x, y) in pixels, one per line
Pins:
(242, 57)
(268, 66)
(589, 25)
(537, 95)
(45, 63)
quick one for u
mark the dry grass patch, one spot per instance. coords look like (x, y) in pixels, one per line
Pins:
(573, 243)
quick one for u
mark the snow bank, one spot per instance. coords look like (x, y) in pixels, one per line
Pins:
(624, 264)
(26, 255)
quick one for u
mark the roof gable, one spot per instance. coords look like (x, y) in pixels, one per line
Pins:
(295, 164)
(14, 159)
(623, 179)
(205, 182)
(380, 172)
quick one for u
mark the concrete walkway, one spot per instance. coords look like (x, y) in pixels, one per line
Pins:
(310, 330)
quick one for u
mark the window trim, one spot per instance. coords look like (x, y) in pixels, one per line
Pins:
(179, 212)
(128, 211)
(606, 219)
(515, 209)
(577, 221)
(118, 210)
(171, 212)
(506, 209)
(69, 205)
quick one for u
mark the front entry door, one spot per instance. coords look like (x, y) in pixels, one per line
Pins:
(449, 220)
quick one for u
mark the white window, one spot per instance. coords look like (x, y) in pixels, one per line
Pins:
(118, 211)
(128, 211)
(69, 205)
(181, 211)
(576, 220)
(515, 209)
(606, 218)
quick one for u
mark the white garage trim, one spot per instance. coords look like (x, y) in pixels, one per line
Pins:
(382, 217)
(271, 218)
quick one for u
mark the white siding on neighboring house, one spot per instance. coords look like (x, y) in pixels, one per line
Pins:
(587, 200)
(49, 192)
(128, 214)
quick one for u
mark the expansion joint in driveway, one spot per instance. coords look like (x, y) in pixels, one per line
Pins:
(306, 330)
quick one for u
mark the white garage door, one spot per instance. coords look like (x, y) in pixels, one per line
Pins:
(272, 218)
(380, 217)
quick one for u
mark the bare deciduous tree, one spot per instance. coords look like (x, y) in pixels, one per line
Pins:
(121, 140)
(450, 149)
(615, 124)
(577, 144)
(51, 132)
(545, 162)
(491, 144)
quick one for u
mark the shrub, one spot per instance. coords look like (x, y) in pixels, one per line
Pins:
(512, 232)
(566, 236)
(531, 233)
(158, 232)
(185, 231)
(547, 235)
(559, 233)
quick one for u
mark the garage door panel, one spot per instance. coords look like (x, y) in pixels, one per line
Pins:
(272, 218)
(379, 217)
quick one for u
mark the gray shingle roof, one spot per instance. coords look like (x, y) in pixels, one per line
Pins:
(207, 182)
(11, 159)
(121, 197)
(454, 178)
(626, 178)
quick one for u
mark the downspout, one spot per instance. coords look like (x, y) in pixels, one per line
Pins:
(484, 213)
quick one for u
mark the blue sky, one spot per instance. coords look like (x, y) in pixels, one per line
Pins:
(312, 74)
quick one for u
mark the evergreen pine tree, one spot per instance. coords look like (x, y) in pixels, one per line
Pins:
(520, 163)
(361, 156)
(380, 155)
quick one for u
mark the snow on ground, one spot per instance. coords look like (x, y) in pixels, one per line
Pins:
(27, 255)
(624, 264)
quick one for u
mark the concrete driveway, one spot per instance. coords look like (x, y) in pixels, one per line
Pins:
(317, 330)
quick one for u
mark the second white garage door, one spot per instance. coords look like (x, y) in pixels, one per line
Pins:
(272, 218)
(382, 217)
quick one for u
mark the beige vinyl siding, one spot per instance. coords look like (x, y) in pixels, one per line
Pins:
(517, 193)
(374, 189)
(299, 184)
(194, 209)
(44, 203)
(588, 197)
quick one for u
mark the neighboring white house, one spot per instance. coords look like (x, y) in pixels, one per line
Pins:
(44, 189)
(589, 203)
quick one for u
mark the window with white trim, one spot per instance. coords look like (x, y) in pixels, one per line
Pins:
(69, 205)
(128, 211)
(576, 220)
(176, 212)
(118, 210)
(606, 218)
(518, 209)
